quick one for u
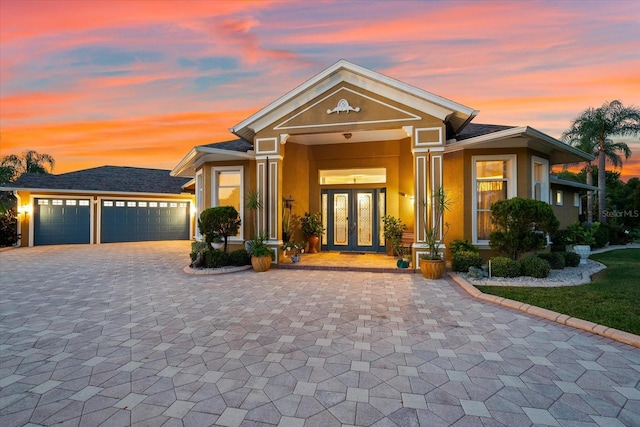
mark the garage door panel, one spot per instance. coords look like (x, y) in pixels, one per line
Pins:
(133, 221)
(61, 221)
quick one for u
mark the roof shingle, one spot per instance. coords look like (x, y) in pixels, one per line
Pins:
(106, 178)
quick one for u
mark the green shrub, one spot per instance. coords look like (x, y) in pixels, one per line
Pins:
(521, 225)
(555, 259)
(505, 267)
(239, 257)
(197, 247)
(219, 222)
(618, 235)
(559, 240)
(601, 236)
(216, 259)
(462, 245)
(462, 260)
(571, 259)
(535, 266)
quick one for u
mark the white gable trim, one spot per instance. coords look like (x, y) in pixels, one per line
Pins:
(344, 71)
(410, 115)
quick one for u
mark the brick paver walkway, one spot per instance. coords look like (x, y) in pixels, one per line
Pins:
(117, 334)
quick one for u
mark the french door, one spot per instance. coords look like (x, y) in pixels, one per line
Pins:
(353, 219)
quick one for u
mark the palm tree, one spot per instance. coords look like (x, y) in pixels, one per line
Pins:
(29, 162)
(598, 125)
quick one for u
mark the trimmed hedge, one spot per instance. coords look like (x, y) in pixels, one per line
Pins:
(505, 267)
(535, 266)
(239, 258)
(216, 259)
(571, 259)
(555, 259)
(462, 260)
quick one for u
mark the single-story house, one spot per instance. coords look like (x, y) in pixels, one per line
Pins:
(355, 145)
(102, 205)
(350, 143)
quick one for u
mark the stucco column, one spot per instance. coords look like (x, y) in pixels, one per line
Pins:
(269, 161)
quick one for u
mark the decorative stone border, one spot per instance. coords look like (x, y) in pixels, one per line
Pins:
(585, 325)
(213, 271)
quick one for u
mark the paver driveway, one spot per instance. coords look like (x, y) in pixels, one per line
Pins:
(117, 334)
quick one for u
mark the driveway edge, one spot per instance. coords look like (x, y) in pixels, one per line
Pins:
(585, 325)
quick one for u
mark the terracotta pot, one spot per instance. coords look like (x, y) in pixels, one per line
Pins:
(261, 263)
(313, 244)
(432, 268)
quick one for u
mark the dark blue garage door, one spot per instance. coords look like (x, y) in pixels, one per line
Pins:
(61, 221)
(143, 220)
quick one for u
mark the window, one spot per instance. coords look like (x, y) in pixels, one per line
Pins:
(107, 203)
(131, 204)
(540, 179)
(494, 179)
(56, 202)
(142, 204)
(576, 200)
(71, 202)
(228, 189)
(83, 202)
(559, 197)
(353, 176)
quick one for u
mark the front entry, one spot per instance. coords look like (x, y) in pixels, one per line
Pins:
(353, 219)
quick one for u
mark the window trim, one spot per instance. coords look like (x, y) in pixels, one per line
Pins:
(544, 187)
(559, 195)
(512, 188)
(214, 194)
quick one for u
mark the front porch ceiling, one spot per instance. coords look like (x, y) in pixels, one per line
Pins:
(348, 137)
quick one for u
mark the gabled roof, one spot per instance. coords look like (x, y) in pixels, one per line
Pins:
(477, 129)
(237, 149)
(456, 115)
(497, 136)
(107, 179)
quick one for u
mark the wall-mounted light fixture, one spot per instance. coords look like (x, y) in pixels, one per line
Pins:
(24, 209)
(347, 135)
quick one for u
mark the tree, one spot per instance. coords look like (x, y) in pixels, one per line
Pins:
(12, 166)
(598, 125)
(219, 222)
(521, 225)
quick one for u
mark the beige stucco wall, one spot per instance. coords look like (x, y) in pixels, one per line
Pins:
(566, 213)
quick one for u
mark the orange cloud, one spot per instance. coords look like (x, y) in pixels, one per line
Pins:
(155, 141)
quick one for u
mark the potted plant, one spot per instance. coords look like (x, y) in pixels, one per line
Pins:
(312, 229)
(294, 249)
(253, 202)
(393, 230)
(261, 254)
(432, 263)
(582, 236)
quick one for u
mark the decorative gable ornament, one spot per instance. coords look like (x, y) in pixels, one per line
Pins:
(343, 105)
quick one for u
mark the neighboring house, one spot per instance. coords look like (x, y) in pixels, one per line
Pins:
(356, 145)
(102, 205)
(569, 200)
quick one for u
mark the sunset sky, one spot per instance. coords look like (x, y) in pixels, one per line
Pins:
(139, 83)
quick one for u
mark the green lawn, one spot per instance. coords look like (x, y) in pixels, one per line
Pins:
(611, 299)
